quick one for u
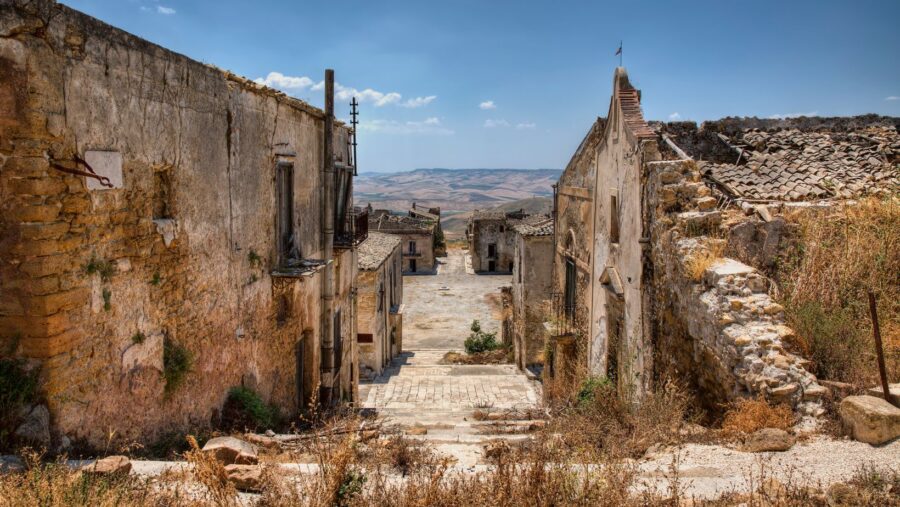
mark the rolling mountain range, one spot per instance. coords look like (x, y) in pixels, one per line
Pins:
(453, 189)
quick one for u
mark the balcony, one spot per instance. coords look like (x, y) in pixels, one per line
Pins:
(412, 254)
(353, 231)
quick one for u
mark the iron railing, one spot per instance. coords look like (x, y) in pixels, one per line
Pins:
(562, 315)
(354, 230)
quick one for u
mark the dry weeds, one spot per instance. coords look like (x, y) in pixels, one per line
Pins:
(704, 257)
(748, 416)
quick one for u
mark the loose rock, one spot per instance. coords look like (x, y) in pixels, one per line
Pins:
(870, 419)
(768, 440)
(230, 450)
(245, 477)
(110, 465)
(35, 427)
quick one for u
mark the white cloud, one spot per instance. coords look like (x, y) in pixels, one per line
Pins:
(341, 92)
(674, 116)
(892, 98)
(487, 104)
(526, 126)
(429, 126)
(792, 115)
(165, 10)
(419, 101)
(279, 80)
(489, 124)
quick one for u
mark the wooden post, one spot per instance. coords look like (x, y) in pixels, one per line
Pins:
(879, 352)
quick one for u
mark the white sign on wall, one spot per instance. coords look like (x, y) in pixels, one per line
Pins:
(104, 163)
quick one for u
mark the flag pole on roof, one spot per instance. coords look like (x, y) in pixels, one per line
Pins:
(619, 53)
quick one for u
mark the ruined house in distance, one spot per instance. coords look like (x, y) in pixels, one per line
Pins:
(491, 240)
(417, 237)
(434, 215)
(169, 231)
(380, 302)
(531, 287)
(640, 206)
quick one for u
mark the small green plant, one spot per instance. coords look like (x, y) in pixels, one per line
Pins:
(254, 259)
(351, 486)
(103, 268)
(245, 409)
(177, 363)
(138, 338)
(156, 280)
(481, 341)
(107, 299)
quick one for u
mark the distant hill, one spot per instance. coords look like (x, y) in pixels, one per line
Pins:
(454, 222)
(453, 189)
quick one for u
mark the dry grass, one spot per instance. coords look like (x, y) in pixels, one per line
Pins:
(498, 356)
(747, 416)
(704, 257)
(838, 256)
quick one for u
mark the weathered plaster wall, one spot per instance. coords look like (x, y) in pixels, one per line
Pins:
(424, 253)
(190, 233)
(531, 288)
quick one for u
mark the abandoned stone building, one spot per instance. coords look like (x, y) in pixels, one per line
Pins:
(417, 236)
(638, 204)
(433, 214)
(169, 231)
(380, 303)
(492, 240)
(531, 288)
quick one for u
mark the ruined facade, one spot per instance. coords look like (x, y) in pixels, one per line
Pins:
(434, 215)
(417, 236)
(380, 303)
(208, 250)
(531, 288)
(640, 288)
(492, 240)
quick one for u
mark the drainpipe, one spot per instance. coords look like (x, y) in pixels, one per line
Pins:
(326, 381)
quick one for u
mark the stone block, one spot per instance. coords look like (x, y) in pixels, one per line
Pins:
(230, 450)
(245, 477)
(726, 267)
(768, 440)
(110, 465)
(870, 419)
(35, 426)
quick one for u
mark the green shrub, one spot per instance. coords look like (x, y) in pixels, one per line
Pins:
(177, 363)
(18, 388)
(244, 409)
(589, 389)
(103, 268)
(481, 341)
(138, 338)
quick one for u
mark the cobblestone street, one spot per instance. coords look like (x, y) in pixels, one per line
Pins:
(418, 391)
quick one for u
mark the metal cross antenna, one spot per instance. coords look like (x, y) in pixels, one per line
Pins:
(354, 112)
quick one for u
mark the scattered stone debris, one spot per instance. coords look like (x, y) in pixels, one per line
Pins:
(35, 426)
(245, 477)
(230, 450)
(870, 419)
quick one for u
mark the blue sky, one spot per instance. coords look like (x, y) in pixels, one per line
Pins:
(518, 83)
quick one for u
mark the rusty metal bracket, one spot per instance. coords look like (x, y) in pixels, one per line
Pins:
(90, 173)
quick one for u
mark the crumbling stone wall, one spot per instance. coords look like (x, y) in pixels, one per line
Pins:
(723, 331)
(531, 287)
(95, 280)
(492, 231)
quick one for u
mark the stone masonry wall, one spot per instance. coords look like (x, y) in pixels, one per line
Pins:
(94, 280)
(723, 330)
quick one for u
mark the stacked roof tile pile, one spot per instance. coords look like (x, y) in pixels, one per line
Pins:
(795, 165)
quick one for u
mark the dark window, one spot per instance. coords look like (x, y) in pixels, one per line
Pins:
(570, 287)
(412, 247)
(412, 265)
(492, 250)
(502, 229)
(298, 358)
(381, 297)
(364, 338)
(492, 266)
(285, 214)
(338, 344)
(613, 219)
